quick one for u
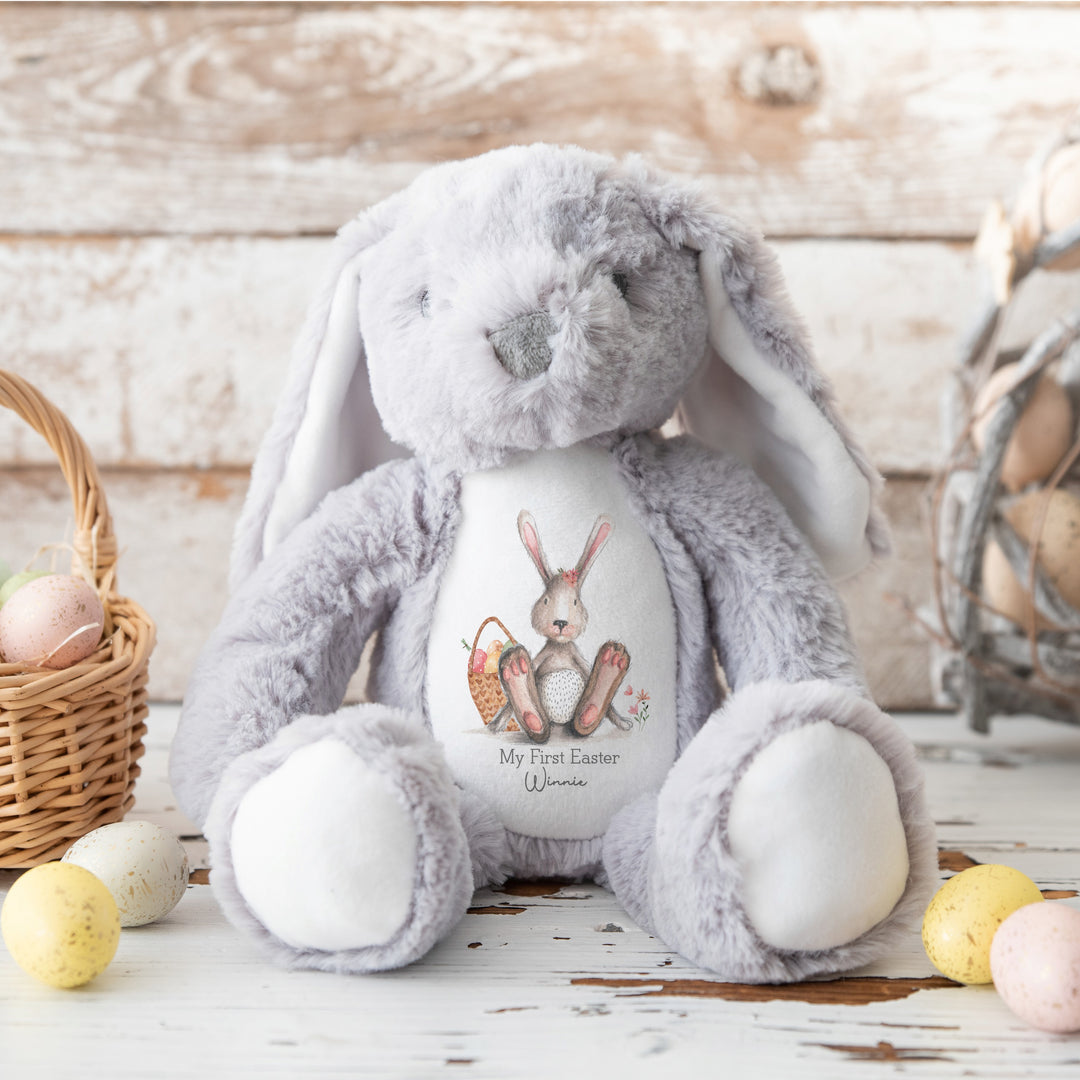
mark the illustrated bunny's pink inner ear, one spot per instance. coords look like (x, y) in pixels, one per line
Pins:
(596, 542)
(532, 545)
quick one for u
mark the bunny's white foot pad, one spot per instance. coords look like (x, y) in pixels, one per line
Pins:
(815, 827)
(324, 850)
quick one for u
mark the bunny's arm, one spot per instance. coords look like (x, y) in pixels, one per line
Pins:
(292, 635)
(773, 613)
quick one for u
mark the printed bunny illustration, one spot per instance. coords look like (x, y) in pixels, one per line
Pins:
(558, 686)
(524, 324)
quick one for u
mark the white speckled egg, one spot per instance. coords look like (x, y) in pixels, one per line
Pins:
(144, 866)
(53, 621)
(1035, 961)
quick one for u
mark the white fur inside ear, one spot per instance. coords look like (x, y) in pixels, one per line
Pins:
(815, 828)
(324, 851)
(779, 431)
(340, 434)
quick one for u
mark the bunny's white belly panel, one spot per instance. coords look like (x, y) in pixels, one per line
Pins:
(570, 786)
(559, 694)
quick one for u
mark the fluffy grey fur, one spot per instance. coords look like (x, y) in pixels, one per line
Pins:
(292, 634)
(553, 234)
(667, 856)
(398, 747)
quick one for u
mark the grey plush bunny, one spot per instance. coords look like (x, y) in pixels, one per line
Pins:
(523, 323)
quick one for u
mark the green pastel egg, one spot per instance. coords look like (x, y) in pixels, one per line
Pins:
(17, 581)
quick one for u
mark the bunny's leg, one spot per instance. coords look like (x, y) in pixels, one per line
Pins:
(790, 837)
(608, 671)
(519, 683)
(337, 835)
(343, 843)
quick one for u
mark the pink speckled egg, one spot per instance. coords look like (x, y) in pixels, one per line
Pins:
(54, 621)
(1035, 961)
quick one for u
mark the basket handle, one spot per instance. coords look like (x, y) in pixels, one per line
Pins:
(476, 640)
(93, 540)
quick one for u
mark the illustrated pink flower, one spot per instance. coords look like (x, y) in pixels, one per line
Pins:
(632, 710)
(570, 577)
(642, 696)
(628, 691)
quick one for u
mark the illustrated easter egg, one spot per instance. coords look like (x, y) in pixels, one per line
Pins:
(961, 920)
(13, 582)
(60, 924)
(53, 621)
(1041, 436)
(1035, 961)
(144, 867)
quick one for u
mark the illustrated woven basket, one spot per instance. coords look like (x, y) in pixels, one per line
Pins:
(485, 688)
(70, 739)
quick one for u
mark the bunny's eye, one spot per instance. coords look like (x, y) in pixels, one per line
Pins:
(546, 599)
(622, 283)
(423, 302)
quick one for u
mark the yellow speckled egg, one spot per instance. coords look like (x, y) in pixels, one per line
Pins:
(961, 920)
(60, 924)
(143, 865)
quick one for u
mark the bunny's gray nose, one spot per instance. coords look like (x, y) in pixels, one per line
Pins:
(522, 345)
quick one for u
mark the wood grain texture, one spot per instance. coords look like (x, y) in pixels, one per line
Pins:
(570, 986)
(895, 654)
(894, 119)
(171, 351)
(175, 529)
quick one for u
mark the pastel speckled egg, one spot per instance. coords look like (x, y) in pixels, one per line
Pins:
(54, 621)
(60, 924)
(961, 920)
(14, 582)
(1035, 961)
(1042, 435)
(143, 865)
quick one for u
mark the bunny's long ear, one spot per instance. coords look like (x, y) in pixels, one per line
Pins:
(601, 530)
(530, 537)
(760, 396)
(326, 430)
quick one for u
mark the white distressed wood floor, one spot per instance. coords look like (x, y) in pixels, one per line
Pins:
(540, 979)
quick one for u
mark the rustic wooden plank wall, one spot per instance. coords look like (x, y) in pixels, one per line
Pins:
(169, 173)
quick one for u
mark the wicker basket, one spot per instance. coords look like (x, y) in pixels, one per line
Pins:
(70, 739)
(485, 688)
(983, 660)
